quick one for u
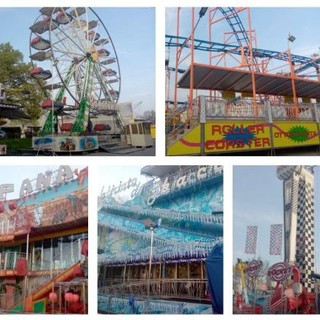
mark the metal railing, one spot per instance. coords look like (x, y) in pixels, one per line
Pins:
(186, 289)
(8, 260)
(7, 226)
(36, 282)
(221, 108)
(290, 112)
(63, 260)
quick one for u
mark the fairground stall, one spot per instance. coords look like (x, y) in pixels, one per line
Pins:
(44, 244)
(153, 248)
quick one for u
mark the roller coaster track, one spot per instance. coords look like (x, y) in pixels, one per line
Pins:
(236, 26)
(241, 35)
(231, 16)
(204, 45)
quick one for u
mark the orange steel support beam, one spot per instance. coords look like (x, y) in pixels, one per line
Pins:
(238, 10)
(167, 89)
(177, 64)
(252, 66)
(190, 108)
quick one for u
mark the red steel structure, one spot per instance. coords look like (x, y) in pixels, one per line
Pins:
(236, 65)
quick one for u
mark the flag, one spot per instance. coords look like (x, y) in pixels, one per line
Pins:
(251, 241)
(275, 239)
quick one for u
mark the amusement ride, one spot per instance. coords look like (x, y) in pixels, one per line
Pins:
(239, 97)
(75, 62)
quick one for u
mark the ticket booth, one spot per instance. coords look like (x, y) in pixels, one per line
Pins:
(138, 134)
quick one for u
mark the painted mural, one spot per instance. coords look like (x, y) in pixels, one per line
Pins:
(56, 204)
(187, 225)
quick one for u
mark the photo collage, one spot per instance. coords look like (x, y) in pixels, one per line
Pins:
(159, 158)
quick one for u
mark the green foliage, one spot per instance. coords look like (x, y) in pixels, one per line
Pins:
(150, 115)
(13, 145)
(20, 87)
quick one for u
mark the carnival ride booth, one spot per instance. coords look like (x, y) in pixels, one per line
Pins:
(156, 246)
(291, 296)
(139, 134)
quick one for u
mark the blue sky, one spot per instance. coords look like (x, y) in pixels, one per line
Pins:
(132, 31)
(258, 200)
(272, 26)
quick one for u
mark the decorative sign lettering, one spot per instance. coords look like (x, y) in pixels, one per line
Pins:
(279, 271)
(42, 182)
(254, 267)
(188, 178)
(163, 187)
(122, 186)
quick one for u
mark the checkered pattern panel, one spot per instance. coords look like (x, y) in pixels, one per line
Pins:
(251, 240)
(275, 239)
(305, 233)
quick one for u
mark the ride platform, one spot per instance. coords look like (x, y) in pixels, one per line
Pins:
(207, 77)
(63, 143)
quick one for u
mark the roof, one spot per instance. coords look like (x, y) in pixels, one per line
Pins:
(160, 171)
(12, 111)
(208, 77)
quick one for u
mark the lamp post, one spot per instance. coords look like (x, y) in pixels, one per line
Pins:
(292, 38)
(151, 227)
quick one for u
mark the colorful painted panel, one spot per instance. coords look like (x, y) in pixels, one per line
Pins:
(298, 133)
(225, 136)
(57, 204)
(66, 143)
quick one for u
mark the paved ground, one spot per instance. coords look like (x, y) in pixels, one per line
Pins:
(139, 152)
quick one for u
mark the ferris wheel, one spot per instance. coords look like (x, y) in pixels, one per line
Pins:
(75, 62)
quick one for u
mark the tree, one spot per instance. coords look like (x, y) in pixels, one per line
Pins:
(20, 88)
(150, 115)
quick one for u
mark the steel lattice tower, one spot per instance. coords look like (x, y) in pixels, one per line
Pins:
(298, 194)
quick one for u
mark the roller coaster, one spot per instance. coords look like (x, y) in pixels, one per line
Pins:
(242, 98)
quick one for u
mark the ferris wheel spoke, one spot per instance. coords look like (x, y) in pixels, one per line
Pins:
(65, 56)
(101, 81)
(70, 40)
(75, 29)
(63, 46)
